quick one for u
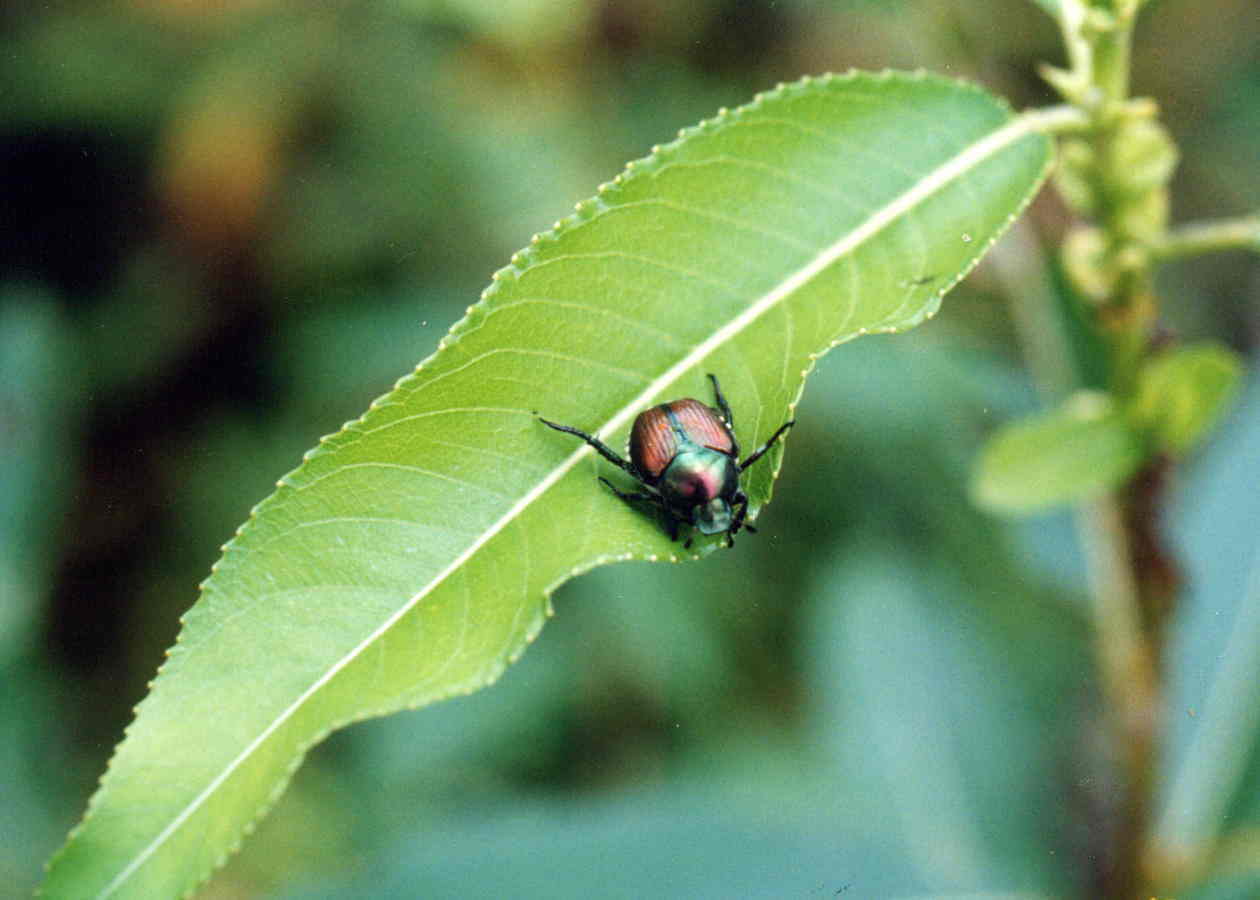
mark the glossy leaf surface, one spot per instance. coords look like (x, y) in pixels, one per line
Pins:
(410, 557)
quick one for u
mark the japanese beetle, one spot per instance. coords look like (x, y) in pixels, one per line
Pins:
(686, 457)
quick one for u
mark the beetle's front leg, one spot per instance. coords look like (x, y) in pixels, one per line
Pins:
(723, 407)
(740, 501)
(671, 521)
(630, 496)
(757, 454)
(727, 416)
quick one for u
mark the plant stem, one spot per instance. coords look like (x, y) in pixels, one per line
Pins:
(1061, 119)
(1198, 238)
(1126, 661)
(1131, 577)
(1115, 599)
(1111, 52)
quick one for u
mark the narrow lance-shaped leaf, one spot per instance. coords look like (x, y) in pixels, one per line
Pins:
(411, 555)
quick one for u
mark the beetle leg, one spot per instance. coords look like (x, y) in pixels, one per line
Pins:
(723, 406)
(629, 496)
(740, 500)
(603, 449)
(725, 409)
(671, 521)
(757, 454)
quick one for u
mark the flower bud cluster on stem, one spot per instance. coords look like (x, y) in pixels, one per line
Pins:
(1114, 176)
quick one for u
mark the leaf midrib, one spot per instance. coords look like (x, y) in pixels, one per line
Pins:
(945, 174)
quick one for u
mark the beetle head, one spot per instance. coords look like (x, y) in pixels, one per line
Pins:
(713, 517)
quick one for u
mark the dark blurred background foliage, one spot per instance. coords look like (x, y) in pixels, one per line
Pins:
(228, 226)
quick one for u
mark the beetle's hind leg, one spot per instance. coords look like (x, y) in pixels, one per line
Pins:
(603, 449)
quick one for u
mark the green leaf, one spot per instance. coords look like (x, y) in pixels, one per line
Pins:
(410, 557)
(1182, 393)
(1070, 454)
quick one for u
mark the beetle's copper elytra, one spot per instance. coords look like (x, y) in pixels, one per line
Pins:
(658, 432)
(685, 455)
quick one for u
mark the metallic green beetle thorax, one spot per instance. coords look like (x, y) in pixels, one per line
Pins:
(703, 480)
